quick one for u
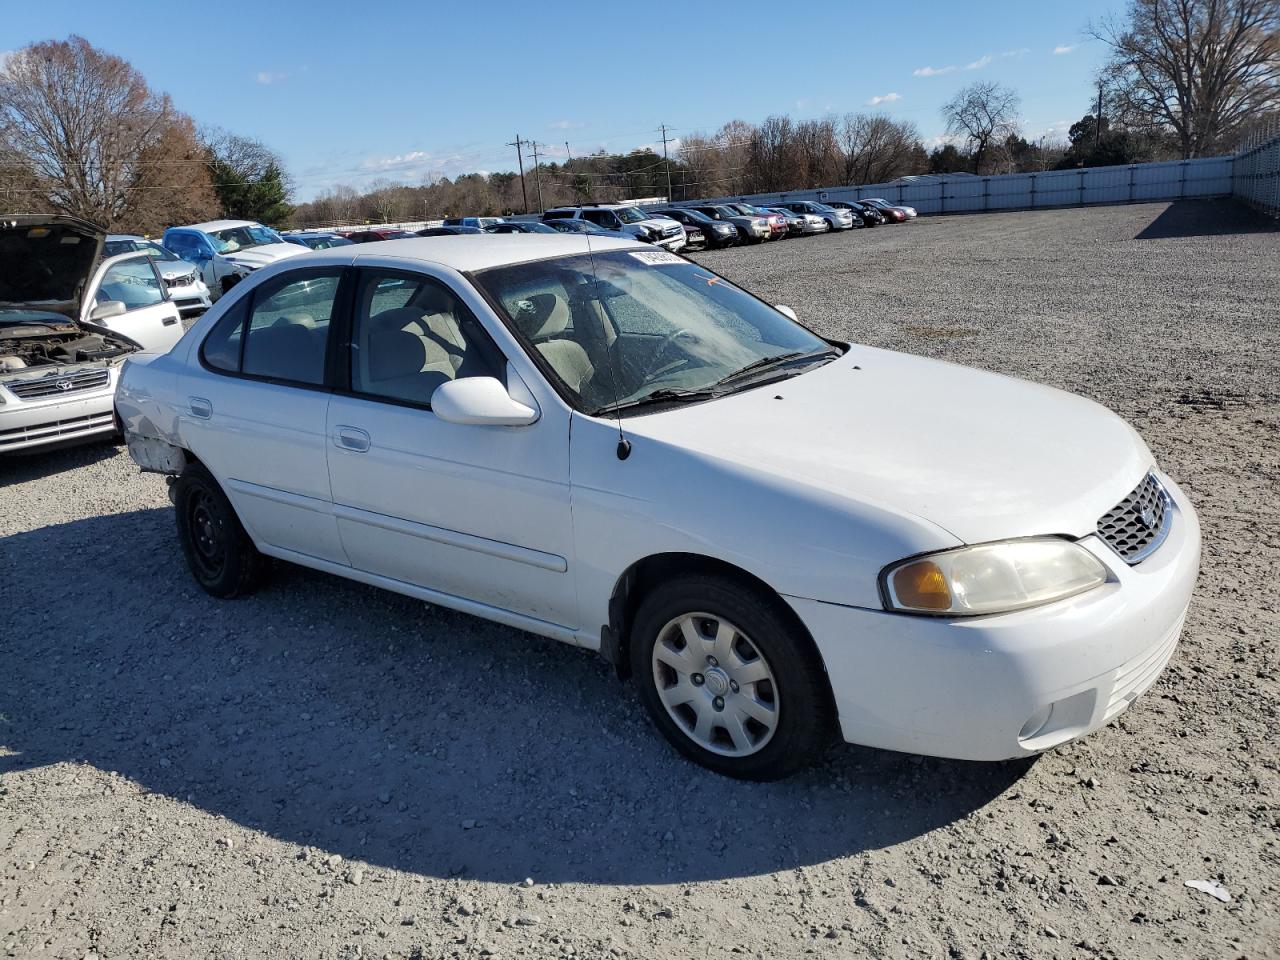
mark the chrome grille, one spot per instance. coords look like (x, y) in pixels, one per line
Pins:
(58, 386)
(183, 281)
(1138, 524)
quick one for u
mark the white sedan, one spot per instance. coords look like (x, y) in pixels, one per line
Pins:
(777, 535)
(67, 322)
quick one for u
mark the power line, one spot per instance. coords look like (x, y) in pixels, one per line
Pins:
(666, 160)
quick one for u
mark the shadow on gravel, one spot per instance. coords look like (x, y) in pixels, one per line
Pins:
(1206, 218)
(332, 715)
(23, 467)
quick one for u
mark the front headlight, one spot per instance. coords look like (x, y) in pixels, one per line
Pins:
(991, 577)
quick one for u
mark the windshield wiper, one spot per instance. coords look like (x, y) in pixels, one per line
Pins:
(768, 363)
(665, 395)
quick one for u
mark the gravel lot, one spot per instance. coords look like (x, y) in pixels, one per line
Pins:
(326, 770)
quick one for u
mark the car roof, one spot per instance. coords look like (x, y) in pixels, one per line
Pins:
(212, 225)
(472, 251)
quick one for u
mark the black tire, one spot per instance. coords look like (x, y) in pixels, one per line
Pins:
(221, 556)
(805, 715)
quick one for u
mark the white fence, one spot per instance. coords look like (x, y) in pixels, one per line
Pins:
(1257, 171)
(1132, 183)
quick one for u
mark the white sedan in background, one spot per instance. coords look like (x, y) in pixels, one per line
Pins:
(777, 535)
(67, 323)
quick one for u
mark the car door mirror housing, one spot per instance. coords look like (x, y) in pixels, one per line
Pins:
(482, 401)
(786, 311)
(108, 309)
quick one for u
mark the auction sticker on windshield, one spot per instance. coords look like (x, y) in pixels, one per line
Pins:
(657, 257)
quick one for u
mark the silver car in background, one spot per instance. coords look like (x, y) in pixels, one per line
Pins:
(836, 219)
(810, 223)
(186, 287)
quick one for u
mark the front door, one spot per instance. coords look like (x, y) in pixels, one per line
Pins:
(479, 513)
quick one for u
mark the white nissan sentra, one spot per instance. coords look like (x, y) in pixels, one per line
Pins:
(776, 535)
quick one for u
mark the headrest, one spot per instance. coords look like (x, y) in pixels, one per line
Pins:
(396, 319)
(394, 354)
(545, 316)
(434, 299)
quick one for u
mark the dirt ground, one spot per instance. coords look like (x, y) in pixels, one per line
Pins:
(324, 770)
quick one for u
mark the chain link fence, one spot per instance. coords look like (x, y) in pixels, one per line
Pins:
(1255, 176)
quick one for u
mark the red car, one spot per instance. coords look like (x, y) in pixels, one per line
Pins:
(374, 234)
(777, 222)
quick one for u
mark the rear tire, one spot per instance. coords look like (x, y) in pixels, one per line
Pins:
(219, 552)
(730, 679)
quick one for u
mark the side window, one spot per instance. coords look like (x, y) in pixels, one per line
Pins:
(288, 327)
(133, 282)
(410, 335)
(221, 348)
(595, 216)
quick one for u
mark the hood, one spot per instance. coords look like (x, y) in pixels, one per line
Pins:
(46, 262)
(256, 257)
(171, 269)
(983, 456)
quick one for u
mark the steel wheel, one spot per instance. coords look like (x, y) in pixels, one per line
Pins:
(716, 685)
(207, 541)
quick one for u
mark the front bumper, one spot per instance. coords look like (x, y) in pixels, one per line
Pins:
(672, 243)
(30, 424)
(1016, 684)
(191, 300)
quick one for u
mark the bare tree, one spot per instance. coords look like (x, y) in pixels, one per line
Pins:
(818, 152)
(80, 120)
(1202, 68)
(984, 114)
(772, 156)
(877, 149)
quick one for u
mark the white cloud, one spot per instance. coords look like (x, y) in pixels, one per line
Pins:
(398, 160)
(979, 63)
(566, 125)
(932, 71)
(4, 57)
(1062, 48)
(268, 77)
(887, 98)
(1020, 52)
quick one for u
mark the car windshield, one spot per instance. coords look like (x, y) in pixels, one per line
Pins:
(646, 327)
(724, 213)
(241, 238)
(576, 226)
(629, 215)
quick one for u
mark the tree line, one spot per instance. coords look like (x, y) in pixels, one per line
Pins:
(82, 133)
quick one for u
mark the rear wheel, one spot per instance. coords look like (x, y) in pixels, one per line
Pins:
(219, 552)
(729, 680)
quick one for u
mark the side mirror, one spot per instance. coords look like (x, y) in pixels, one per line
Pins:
(480, 400)
(108, 309)
(786, 311)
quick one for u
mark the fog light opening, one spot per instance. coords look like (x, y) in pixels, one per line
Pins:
(1036, 722)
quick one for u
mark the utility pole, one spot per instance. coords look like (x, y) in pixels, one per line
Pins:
(1097, 120)
(537, 176)
(666, 160)
(567, 153)
(520, 160)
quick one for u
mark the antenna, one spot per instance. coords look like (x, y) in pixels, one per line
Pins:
(624, 445)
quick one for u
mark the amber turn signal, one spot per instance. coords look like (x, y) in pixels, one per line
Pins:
(922, 585)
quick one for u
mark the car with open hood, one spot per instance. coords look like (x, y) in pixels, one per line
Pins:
(68, 322)
(227, 251)
(778, 536)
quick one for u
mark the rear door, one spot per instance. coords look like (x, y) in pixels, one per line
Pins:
(256, 404)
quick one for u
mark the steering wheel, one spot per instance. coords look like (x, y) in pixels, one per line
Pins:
(654, 366)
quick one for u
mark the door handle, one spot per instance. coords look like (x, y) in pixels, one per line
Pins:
(200, 407)
(351, 438)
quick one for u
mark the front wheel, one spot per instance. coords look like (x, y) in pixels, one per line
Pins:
(729, 680)
(219, 552)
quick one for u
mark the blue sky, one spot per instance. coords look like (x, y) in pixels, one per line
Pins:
(351, 92)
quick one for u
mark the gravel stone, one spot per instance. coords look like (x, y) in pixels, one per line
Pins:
(285, 712)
